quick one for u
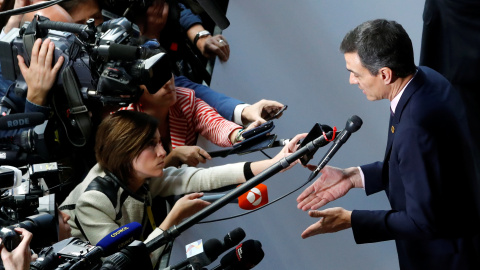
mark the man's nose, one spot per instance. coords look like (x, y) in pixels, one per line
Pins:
(352, 79)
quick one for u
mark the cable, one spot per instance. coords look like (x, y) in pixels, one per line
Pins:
(31, 8)
(261, 207)
(265, 154)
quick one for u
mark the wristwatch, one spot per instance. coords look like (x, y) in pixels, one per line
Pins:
(199, 35)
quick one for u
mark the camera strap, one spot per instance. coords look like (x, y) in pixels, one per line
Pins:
(77, 111)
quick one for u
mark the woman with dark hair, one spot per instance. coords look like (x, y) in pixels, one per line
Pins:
(130, 172)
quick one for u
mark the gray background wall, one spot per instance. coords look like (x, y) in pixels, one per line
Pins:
(288, 51)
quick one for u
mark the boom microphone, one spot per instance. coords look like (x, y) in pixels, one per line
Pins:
(353, 124)
(21, 120)
(250, 200)
(245, 256)
(120, 238)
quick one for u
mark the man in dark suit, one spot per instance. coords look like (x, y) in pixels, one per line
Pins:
(428, 172)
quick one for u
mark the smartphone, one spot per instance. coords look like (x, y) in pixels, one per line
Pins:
(316, 131)
(258, 145)
(262, 129)
(278, 113)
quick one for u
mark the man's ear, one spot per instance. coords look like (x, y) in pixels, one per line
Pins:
(387, 75)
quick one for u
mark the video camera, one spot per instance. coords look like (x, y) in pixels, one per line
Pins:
(103, 65)
(106, 61)
(71, 253)
(23, 196)
(36, 144)
(44, 226)
(24, 203)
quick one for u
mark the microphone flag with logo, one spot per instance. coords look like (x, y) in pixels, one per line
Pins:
(254, 198)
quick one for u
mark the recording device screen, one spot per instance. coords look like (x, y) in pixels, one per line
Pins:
(314, 133)
(262, 129)
(259, 145)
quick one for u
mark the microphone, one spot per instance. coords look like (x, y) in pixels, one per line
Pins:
(250, 200)
(21, 120)
(211, 249)
(233, 238)
(254, 198)
(245, 256)
(120, 238)
(353, 124)
(113, 242)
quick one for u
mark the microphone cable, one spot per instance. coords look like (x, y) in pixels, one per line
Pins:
(310, 178)
(261, 207)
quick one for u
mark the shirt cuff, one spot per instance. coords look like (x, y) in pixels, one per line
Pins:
(237, 113)
(362, 176)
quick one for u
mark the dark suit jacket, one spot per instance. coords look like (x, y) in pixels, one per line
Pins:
(429, 178)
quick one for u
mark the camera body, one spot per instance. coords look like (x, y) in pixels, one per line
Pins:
(26, 204)
(103, 65)
(33, 145)
(87, 50)
(71, 253)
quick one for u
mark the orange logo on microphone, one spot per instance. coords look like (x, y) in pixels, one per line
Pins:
(254, 198)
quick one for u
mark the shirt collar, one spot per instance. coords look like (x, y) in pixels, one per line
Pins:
(396, 99)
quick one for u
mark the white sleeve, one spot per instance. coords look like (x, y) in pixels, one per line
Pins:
(362, 176)
(178, 181)
(237, 113)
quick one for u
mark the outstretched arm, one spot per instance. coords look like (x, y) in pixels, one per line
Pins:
(331, 185)
(183, 208)
(262, 110)
(190, 155)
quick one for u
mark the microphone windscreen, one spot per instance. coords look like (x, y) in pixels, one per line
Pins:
(233, 238)
(120, 238)
(212, 248)
(354, 123)
(21, 120)
(244, 256)
(254, 198)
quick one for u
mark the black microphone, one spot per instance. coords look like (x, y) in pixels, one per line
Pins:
(21, 120)
(212, 249)
(353, 124)
(245, 256)
(233, 238)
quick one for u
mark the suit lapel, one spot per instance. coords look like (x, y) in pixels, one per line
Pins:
(412, 87)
